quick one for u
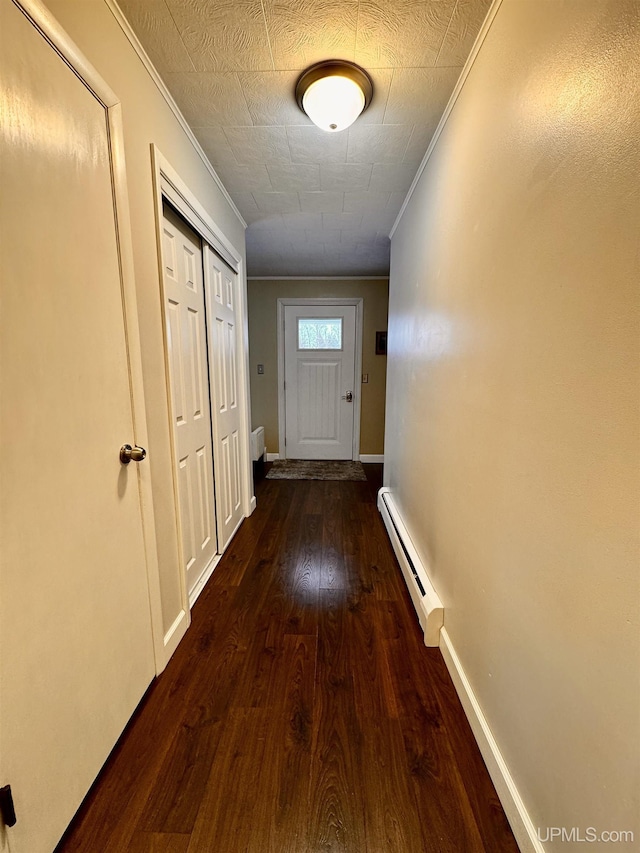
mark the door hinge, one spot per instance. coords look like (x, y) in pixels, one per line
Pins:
(7, 809)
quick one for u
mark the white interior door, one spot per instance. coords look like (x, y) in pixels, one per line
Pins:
(319, 370)
(221, 285)
(189, 377)
(75, 626)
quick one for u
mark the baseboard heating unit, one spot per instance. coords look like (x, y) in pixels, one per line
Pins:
(425, 599)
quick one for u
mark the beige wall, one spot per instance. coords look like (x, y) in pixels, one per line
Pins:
(513, 398)
(263, 349)
(147, 119)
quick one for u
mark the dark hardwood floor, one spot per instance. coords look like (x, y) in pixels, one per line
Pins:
(301, 712)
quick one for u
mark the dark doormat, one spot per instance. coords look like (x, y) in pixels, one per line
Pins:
(302, 469)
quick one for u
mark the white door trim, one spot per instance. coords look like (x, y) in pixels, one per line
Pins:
(358, 302)
(168, 184)
(177, 192)
(53, 32)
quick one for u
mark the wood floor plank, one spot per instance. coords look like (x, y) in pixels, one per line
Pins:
(263, 764)
(222, 659)
(155, 842)
(393, 822)
(487, 809)
(292, 605)
(333, 571)
(174, 800)
(301, 713)
(288, 749)
(236, 805)
(244, 541)
(448, 822)
(336, 793)
(391, 814)
(109, 815)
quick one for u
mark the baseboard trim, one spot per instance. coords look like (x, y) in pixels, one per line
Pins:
(512, 803)
(202, 580)
(252, 505)
(175, 633)
(364, 457)
(425, 599)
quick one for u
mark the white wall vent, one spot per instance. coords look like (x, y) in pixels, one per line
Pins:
(425, 599)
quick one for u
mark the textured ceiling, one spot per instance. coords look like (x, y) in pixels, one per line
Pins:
(316, 203)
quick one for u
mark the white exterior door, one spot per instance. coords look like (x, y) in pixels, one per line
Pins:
(221, 285)
(319, 372)
(75, 625)
(189, 377)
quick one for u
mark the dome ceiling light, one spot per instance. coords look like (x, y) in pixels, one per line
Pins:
(334, 93)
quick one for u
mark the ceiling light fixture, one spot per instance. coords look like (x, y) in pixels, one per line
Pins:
(334, 93)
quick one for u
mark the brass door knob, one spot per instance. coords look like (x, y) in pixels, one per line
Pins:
(131, 454)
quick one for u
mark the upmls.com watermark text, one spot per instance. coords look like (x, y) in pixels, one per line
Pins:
(590, 835)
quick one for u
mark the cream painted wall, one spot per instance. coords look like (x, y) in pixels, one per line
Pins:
(263, 349)
(513, 398)
(147, 119)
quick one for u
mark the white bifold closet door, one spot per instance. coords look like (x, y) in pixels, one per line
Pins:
(201, 308)
(189, 378)
(221, 286)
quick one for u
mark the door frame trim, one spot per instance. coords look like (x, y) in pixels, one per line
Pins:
(169, 186)
(324, 301)
(59, 39)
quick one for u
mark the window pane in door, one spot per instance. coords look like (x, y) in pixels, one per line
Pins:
(319, 333)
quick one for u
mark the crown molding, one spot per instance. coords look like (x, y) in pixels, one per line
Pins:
(125, 26)
(462, 79)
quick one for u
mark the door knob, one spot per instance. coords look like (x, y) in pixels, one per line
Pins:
(348, 397)
(128, 454)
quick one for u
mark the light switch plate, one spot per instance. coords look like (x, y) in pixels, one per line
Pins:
(365, 378)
